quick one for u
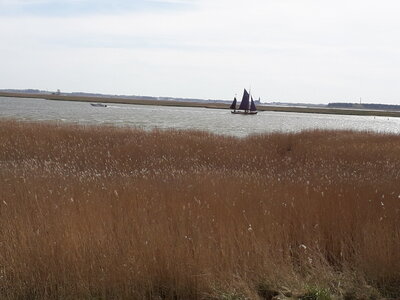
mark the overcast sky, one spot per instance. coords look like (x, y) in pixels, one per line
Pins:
(313, 51)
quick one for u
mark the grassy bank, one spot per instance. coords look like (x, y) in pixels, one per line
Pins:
(214, 105)
(107, 213)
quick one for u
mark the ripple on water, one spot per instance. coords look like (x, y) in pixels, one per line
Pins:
(163, 117)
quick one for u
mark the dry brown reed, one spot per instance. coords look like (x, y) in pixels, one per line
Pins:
(111, 213)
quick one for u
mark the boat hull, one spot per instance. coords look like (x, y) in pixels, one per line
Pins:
(98, 104)
(244, 112)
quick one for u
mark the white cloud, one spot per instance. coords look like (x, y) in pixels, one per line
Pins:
(33, 2)
(288, 50)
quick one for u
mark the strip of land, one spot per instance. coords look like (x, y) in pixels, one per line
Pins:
(214, 105)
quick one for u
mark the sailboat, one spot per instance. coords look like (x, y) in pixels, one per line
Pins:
(246, 107)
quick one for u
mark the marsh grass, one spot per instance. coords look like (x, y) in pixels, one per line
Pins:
(111, 213)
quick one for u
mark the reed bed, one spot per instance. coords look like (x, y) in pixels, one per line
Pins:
(115, 213)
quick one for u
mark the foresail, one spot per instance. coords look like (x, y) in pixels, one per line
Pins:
(252, 105)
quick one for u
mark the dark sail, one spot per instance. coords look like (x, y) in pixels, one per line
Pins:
(245, 101)
(233, 105)
(252, 105)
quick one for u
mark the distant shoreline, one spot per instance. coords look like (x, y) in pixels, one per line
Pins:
(213, 105)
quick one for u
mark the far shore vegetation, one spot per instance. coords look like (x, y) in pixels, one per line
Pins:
(345, 110)
(96, 212)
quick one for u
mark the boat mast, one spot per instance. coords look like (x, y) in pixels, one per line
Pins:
(249, 97)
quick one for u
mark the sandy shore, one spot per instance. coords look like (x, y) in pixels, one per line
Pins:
(213, 105)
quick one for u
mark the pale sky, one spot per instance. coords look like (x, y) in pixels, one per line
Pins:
(312, 51)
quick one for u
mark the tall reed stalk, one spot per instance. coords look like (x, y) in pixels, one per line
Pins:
(111, 213)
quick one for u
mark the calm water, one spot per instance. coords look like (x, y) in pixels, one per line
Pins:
(213, 120)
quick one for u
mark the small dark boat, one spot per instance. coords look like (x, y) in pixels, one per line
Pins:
(98, 104)
(246, 107)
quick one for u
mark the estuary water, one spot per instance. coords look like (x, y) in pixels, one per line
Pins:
(218, 121)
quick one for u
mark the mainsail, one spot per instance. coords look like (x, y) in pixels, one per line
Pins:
(244, 105)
